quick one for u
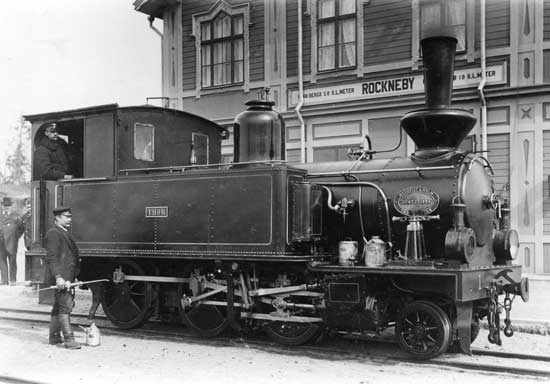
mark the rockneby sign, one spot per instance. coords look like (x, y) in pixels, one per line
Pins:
(394, 86)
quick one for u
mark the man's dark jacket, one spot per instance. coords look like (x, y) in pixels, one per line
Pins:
(61, 255)
(50, 159)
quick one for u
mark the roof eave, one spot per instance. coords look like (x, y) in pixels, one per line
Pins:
(154, 8)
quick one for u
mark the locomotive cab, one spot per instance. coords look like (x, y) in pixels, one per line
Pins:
(107, 142)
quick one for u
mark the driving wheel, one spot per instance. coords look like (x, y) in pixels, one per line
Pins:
(423, 330)
(207, 318)
(128, 304)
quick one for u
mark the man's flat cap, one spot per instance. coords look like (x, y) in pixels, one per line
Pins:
(61, 210)
(6, 201)
(50, 127)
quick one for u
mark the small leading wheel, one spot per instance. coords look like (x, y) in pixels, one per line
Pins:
(423, 330)
(128, 304)
(290, 333)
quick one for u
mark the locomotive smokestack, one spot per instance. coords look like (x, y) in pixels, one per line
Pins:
(438, 54)
(438, 129)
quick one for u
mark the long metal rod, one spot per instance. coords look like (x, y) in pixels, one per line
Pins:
(182, 168)
(72, 285)
(157, 279)
(412, 169)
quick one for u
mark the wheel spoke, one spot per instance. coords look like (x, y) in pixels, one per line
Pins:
(128, 304)
(205, 320)
(423, 329)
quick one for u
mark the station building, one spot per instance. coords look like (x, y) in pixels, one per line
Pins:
(340, 69)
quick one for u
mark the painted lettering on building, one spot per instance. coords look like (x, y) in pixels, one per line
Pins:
(395, 86)
(391, 85)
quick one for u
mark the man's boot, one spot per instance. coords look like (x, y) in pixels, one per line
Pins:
(55, 331)
(68, 334)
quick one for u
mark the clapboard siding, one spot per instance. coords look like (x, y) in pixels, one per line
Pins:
(499, 157)
(387, 31)
(545, 189)
(257, 42)
(292, 38)
(498, 23)
(189, 67)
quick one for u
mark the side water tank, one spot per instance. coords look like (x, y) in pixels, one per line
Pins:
(259, 133)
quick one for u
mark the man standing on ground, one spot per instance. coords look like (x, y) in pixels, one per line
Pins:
(63, 265)
(12, 229)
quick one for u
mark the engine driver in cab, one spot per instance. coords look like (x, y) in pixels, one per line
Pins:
(51, 157)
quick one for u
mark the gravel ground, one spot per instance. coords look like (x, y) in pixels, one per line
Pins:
(129, 360)
(122, 360)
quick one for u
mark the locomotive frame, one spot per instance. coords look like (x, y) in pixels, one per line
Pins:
(254, 244)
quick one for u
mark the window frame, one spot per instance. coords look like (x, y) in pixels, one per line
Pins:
(213, 41)
(443, 15)
(337, 20)
(359, 68)
(239, 10)
(139, 151)
(200, 134)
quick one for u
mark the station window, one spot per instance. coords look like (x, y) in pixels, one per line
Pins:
(447, 14)
(385, 134)
(336, 34)
(222, 44)
(222, 50)
(334, 153)
(144, 142)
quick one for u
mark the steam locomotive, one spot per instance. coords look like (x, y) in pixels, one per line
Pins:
(419, 243)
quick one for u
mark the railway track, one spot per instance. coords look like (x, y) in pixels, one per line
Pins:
(483, 361)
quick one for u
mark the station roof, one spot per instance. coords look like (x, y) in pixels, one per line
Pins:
(153, 8)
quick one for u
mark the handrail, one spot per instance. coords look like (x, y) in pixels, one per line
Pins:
(73, 180)
(182, 168)
(412, 169)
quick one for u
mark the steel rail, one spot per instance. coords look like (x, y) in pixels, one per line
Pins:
(328, 352)
(18, 380)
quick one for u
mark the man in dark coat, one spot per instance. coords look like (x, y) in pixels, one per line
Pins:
(11, 226)
(63, 265)
(51, 161)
